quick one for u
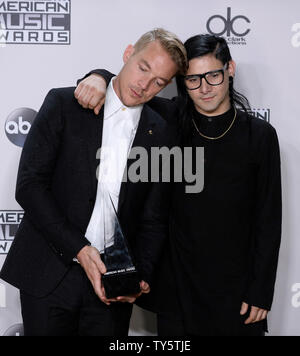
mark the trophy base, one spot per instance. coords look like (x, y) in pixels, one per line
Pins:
(121, 283)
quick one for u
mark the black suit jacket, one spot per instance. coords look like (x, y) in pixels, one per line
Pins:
(57, 187)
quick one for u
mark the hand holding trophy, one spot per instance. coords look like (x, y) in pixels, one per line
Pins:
(121, 277)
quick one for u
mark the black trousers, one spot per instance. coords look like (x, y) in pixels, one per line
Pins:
(73, 309)
(170, 324)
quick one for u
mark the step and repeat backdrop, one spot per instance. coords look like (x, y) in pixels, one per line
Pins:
(46, 44)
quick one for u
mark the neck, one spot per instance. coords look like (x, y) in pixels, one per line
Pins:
(116, 86)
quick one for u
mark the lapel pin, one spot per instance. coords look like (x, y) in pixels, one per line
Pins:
(150, 132)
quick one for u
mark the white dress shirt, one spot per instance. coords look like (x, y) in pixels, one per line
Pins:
(119, 129)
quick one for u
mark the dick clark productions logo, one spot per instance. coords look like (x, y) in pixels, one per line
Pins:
(18, 125)
(234, 28)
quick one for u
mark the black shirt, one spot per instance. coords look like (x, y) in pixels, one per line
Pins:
(225, 240)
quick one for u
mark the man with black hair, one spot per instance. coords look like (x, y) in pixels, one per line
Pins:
(224, 241)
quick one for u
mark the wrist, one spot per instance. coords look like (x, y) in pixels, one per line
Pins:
(82, 252)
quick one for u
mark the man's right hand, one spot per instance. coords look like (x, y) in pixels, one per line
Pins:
(91, 92)
(90, 260)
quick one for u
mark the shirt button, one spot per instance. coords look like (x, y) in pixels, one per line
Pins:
(123, 109)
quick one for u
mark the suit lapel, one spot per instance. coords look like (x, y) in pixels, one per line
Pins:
(93, 132)
(145, 137)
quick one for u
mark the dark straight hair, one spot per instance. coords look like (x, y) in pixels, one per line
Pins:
(198, 46)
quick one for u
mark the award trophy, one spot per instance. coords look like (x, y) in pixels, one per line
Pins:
(121, 277)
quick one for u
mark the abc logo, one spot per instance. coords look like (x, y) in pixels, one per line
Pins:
(227, 25)
(18, 125)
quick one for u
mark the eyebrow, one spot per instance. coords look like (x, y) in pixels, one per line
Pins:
(149, 67)
(211, 71)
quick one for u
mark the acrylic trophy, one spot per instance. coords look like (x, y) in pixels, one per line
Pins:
(121, 278)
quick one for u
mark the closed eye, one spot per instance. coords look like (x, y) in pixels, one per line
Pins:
(160, 84)
(142, 69)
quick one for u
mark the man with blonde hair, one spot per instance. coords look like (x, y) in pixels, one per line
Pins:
(157, 37)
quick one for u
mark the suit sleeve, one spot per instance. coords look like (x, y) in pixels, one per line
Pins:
(107, 76)
(267, 224)
(36, 169)
(154, 223)
(153, 231)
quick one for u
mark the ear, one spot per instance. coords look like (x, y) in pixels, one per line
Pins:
(231, 68)
(128, 53)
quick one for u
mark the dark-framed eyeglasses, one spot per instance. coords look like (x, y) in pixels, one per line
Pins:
(215, 77)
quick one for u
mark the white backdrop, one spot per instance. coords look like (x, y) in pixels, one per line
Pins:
(65, 39)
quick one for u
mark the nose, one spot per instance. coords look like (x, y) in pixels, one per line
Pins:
(205, 87)
(144, 84)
